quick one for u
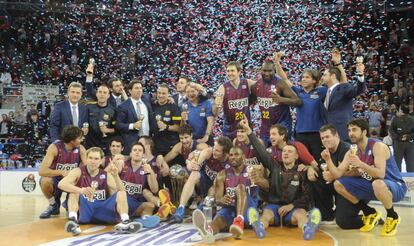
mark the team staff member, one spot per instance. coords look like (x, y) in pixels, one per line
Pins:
(167, 117)
(101, 118)
(198, 114)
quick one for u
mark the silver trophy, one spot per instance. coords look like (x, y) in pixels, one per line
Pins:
(359, 59)
(141, 117)
(158, 119)
(324, 167)
(85, 125)
(94, 186)
(249, 169)
(179, 176)
(273, 89)
(185, 107)
(102, 124)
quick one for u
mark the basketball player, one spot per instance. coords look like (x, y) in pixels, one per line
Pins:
(243, 142)
(186, 144)
(233, 98)
(97, 195)
(204, 170)
(115, 147)
(378, 178)
(234, 191)
(61, 157)
(274, 96)
(137, 175)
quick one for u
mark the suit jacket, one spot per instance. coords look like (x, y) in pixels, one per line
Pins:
(340, 107)
(126, 115)
(62, 116)
(47, 106)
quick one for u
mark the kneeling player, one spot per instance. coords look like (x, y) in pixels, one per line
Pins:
(234, 192)
(98, 196)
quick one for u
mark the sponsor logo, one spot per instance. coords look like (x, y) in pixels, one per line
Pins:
(29, 183)
(239, 103)
(132, 189)
(166, 234)
(99, 195)
(252, 161)
(265, 102)
(66, 167)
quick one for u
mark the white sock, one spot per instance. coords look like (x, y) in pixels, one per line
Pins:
(124, 217)
(52, 200)
(241, 216)
(73, 215)
(181, 206)
(158, 203)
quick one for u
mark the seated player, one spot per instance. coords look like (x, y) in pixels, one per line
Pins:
(204, 169)
(186, 144)
(234, 191)
(137, 175)
(377, 178)
(97, 195)
(61, 157)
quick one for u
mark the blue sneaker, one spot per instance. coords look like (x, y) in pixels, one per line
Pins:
(149, 221)
(314, 219)
(53, 209)
(179, 215)
(254, 221)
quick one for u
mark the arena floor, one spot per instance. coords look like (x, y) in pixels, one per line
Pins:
(19, 225)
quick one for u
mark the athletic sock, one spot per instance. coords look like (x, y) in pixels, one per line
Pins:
(52, 200)
(391, 213)
(124, 217)
(73, 215)
(367, 210)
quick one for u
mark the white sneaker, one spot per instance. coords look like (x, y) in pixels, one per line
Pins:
(128, 227)
(200, 221)
(72, 227)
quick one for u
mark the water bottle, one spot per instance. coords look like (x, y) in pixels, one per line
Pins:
(208, 208)
(208, 212)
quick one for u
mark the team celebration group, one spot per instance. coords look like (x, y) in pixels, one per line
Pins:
(133, 159)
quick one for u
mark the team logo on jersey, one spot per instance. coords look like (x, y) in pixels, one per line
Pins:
(245, 175)
(239, 103)
(29, 183)
(75, 151)
(141, 172)
(265, 102)
(244, 87)
(102, 176)
(167, 112)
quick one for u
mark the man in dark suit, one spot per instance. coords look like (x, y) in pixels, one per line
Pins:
(339, 98)
(134, 116)
(43, 108)
(181, 85)
(68, 112)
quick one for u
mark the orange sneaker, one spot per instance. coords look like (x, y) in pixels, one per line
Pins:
(236, 229)
(164, 197)
(163, 212)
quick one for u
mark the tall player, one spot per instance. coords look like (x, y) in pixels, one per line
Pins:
(233, 98)
(61, 157)
(97, 195)
(203, 172)
(234, 191)
(274, 96)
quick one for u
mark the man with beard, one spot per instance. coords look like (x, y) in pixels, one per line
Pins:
(204, 170)
(186, 145)
(233, 191)
(233, 98)
(274, 96)
(378, 178)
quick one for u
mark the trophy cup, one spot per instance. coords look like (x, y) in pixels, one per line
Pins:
(249, 169)
(158, 119)
(89, 68)
(359, 59)
(94, 186)
(185, 107)
(179, 176)
(85, 125)
(102, 124)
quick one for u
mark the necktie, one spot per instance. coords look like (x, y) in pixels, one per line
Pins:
(138, 111)
(327, 98)
(74, 116)
(118, 101)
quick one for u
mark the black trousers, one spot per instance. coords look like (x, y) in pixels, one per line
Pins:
(346, 214)
(404, 150)
(312, 141)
